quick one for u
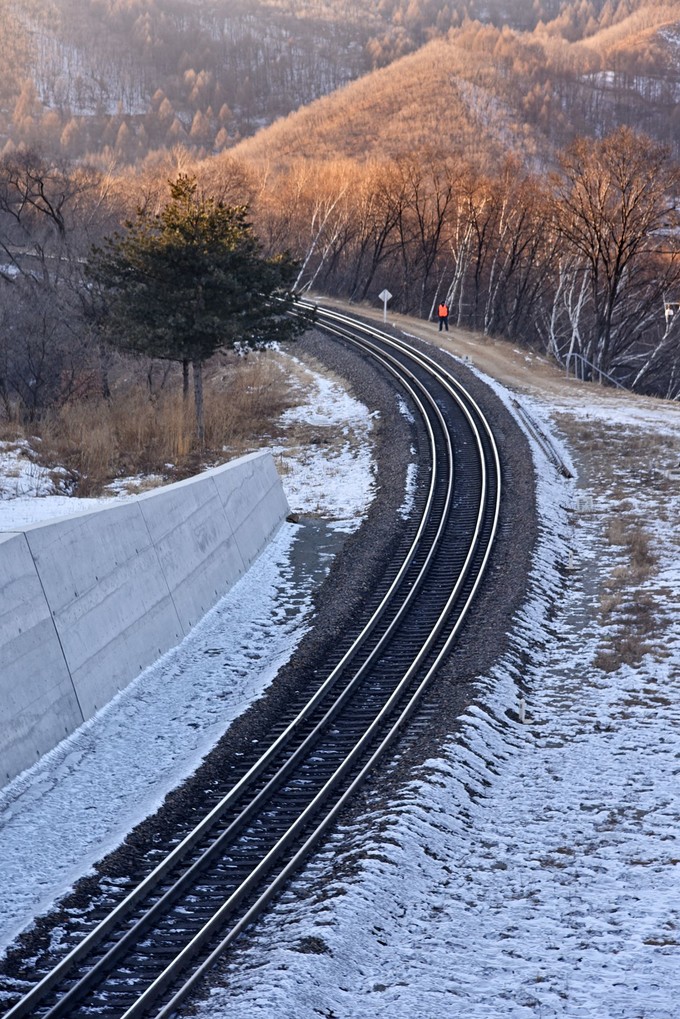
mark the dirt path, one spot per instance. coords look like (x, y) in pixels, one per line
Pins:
(522, 371)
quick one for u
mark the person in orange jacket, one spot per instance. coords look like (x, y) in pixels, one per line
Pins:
(443, 316)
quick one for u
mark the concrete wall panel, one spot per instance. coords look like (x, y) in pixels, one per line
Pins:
(89, 600)
(254, 502)
(109, 598)
(260, 520)
(195, 544)
(38, 702)
(249, 483)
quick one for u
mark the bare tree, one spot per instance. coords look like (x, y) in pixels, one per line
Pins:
(429, 185)
(616, 207)
(48, 216)
(377, 203)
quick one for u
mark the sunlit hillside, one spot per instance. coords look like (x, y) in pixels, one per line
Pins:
(111, 81)
(487, 92)
(437, 97)
(528, 174)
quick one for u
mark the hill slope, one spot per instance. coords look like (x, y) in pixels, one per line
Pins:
(117, 79)
(489, 92)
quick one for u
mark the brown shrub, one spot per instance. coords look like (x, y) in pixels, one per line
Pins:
(137, 432)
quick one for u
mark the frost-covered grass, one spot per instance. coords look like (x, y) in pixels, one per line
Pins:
(532, 869)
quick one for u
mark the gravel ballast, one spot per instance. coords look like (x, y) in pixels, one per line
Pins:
(352, 575)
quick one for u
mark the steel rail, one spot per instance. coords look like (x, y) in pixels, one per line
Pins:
(448, 380)
(109, 922)
(199, 941)
(275, 886)
(124, 908)
(217, 920)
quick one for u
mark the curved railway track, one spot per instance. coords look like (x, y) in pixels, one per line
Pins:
(152, 948)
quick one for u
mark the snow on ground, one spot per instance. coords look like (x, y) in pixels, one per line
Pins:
(80, 800)
(406, 507)
(30, 493)
(533, 870)
(348, 467)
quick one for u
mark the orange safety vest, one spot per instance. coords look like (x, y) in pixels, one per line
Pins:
(443, 311)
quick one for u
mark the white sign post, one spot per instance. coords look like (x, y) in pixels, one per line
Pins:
(384, 296)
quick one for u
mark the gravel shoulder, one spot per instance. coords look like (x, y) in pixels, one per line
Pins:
(338, 600)
(524, 870)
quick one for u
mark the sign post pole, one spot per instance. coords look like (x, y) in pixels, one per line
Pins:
(384, 296)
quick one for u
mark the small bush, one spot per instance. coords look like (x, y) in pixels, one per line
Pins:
(631, 534)
(312, 945)
(617, 530)
(641, 555)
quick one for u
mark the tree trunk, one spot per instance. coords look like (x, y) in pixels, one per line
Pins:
(185, 379)
(198, 401)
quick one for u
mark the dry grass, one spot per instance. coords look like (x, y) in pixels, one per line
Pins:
(8, 431)
(631, 534)
(138, 432)
(629, 465)
(628, 610)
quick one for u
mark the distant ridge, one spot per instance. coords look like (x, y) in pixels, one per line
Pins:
(488, 93)
(421, 101)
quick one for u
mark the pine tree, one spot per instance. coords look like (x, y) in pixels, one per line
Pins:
(191, 280)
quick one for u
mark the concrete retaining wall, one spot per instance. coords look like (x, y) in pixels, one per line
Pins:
(88, 601)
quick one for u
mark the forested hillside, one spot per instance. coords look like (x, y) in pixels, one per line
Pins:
(118, 79)
(528, 175)
(486, 93)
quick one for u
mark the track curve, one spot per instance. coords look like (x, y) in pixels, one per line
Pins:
(154, 946)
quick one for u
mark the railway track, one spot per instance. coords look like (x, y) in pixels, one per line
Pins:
(158, 941)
